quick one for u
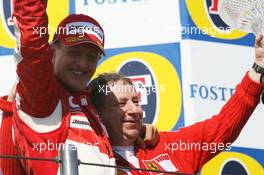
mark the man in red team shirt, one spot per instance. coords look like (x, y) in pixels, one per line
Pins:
(118, 105)
(52, 105)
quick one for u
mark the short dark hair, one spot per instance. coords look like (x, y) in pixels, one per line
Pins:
(96, 94)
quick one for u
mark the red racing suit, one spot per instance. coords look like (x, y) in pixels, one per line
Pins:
(189, 148)
(7, 147)
(46, 115)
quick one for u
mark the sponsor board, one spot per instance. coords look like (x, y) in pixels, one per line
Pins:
(238, 161)
(205, 74)
(7, 42)
(156, 69)
(155, 22)
(200, 20)
(134, 22)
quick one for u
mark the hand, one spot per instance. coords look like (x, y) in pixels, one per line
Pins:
(150, 134)
(259, 50)
(12, 93)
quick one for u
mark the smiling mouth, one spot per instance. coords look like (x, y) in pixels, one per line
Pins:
(130, 121)
(78, 72)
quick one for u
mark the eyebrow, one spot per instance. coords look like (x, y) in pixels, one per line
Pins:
(125, 98)
(122, 98)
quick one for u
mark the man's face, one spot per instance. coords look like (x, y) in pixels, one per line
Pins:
(75, 65)
(122, 114)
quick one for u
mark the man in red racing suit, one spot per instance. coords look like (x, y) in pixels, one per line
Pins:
(186, 150)
(52, 110)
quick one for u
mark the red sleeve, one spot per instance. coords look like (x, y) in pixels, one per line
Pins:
(7, 147)
(221, 129)
(36, 87)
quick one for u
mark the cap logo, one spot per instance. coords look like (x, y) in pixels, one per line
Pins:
(82, 28)
(74, 39)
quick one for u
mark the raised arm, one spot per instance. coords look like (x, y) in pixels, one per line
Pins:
(210, 137)
(36, 85)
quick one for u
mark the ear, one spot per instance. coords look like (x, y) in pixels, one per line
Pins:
(54, 49)
(53, 53)
(52, 45)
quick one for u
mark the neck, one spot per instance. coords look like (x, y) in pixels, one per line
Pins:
(123, 148)
(122, 142)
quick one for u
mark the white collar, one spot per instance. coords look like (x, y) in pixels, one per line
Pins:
(123, 148)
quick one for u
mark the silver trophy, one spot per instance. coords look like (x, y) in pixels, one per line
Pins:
(244, 15)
